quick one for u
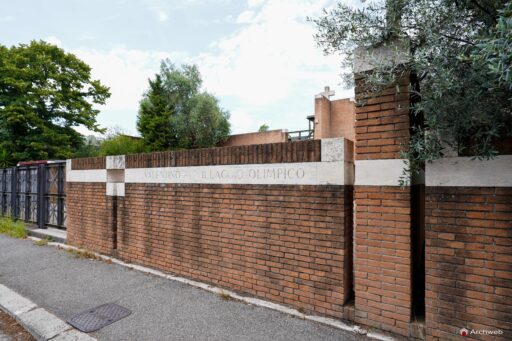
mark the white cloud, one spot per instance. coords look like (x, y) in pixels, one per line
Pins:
(125, 71)
(162, 15)
(162, 8)
(245, 17)
(242, 120)
(53, 40)
(271, 56)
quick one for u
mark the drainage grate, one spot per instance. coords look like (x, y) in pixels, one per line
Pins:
(99, 317)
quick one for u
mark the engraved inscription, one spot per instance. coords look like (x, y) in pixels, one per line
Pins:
(165, 174)
(240, 174)
(254, 174)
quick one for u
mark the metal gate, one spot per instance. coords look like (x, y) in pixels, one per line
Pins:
(35, 193)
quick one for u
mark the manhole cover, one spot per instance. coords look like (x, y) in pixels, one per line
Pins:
(99, 317)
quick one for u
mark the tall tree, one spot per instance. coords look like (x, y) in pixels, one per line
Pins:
(174, 113)
(45, 93)
(459, 55)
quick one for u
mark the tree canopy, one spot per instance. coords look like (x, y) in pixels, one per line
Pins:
(263, 128)
(460, 57)
(174, 113)
(45, 93)
(117, 143)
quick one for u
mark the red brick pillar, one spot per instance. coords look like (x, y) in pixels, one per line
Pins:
(383, 259)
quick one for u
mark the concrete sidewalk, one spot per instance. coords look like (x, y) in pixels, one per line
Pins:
(161, 309)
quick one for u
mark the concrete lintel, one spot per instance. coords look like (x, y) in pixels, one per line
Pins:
(381, 172)
(86, 175)
(300, 173)
(469, 172)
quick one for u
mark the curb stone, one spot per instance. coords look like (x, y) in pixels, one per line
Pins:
(42, 324)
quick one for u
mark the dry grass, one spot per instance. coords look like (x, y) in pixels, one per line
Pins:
(225, 296)
(85, 254)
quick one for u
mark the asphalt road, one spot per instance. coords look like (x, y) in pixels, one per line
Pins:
(161, 309)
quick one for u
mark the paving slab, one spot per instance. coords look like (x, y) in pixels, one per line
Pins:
(161, 309)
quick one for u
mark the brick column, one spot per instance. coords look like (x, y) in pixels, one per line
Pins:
(383, 211)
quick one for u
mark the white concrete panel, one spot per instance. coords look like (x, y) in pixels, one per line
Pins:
(115, 189)
(466, 172)
(332, 149)
(115, 162)
(305, 173)
(86, 175)
(386, 172)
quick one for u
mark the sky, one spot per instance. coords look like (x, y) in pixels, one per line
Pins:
(258, 57)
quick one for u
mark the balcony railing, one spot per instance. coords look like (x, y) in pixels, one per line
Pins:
(300, 135)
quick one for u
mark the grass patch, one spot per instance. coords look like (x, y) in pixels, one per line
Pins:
(82, 254)
(11, 228)
(43, 242)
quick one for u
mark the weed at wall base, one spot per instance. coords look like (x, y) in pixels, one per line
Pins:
(83, 254)
(11, 228)
(43, 242)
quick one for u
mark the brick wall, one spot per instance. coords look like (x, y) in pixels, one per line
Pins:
(281, 243)
(290, 244)
(89, 216)
(383, 257)
(469, 261)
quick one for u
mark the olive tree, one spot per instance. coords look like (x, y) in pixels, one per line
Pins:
(460, 56)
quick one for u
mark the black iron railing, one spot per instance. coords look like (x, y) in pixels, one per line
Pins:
(35, 193)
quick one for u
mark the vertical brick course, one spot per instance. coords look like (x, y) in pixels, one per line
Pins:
(383, 257)
(298, 151)
(88, 163)
(383, 214)
(468, 262)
